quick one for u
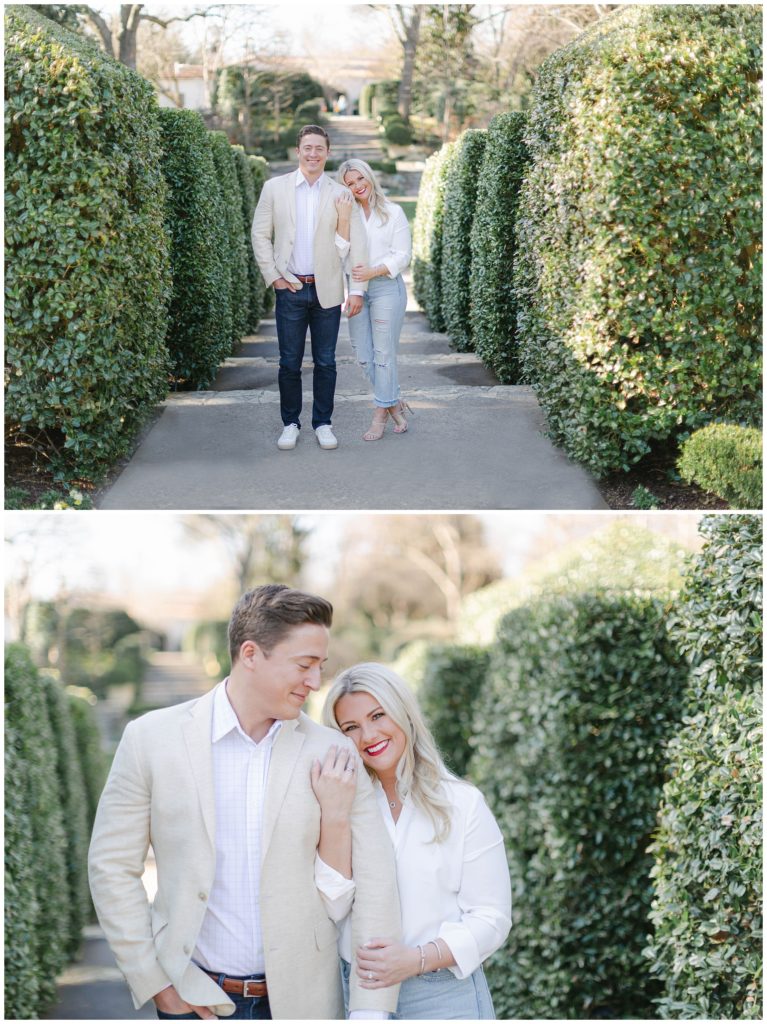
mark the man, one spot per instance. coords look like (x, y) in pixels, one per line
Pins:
(300, 254)
(221, 787)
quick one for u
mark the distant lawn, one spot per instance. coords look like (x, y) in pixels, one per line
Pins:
(408, 205)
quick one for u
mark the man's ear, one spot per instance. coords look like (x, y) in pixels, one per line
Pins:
(250, 652)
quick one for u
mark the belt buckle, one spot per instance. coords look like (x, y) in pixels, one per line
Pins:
(246, 993)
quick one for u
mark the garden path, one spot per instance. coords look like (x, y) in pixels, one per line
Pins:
(472, 443)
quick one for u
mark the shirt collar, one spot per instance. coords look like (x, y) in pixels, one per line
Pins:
(301, 180)
(225, 719)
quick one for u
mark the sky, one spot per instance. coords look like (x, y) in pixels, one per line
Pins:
(121, 552)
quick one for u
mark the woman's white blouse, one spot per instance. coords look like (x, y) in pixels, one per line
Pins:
(458, 890)
(388, 243)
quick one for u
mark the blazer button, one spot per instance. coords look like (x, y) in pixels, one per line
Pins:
(187, 950)
(203, 895)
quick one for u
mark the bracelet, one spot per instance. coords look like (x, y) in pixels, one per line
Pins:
(423, 958)
(431, 942)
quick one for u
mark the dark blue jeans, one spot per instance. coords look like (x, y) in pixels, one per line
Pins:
(295, 313)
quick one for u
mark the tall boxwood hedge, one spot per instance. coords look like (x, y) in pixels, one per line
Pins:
(493, 247)
(248, 200)
(707, 911)
(584, 693)
(87, 269)
(237, 261)
(639, 230)
(453, 680)
(199, 335)
(460, 201)
(259, 169)
(74, 806)
(40, 946)
(427, 235)
(89, 752)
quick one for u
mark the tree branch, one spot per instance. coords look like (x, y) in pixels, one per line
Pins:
(101, 27)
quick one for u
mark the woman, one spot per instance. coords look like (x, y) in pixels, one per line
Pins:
(452, 874)
(376, 329)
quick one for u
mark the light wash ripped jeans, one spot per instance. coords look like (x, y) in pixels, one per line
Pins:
(375, 332)
(437, 996)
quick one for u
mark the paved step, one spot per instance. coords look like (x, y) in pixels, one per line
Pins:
(173, 677)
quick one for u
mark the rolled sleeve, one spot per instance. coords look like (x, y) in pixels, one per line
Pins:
(343, 245)
(336, 891)
(484, 897)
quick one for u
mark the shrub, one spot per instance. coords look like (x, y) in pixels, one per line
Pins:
(22, 910)
(259, 169)
(427, 235)
(33, 759)
(584, 693)
(74, 806)
(727, 460)
(366, 99)
(248, 198)
(638, 274)
(707, 910)
(453, 680)
(237, 262)
(398, 133)
(385, 97)
(310, 112)
(88, 740)
(199, 327)
(460, 200)
(87, 270)
(493, 247)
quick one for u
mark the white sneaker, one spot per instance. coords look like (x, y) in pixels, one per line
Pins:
(326, 437)
(288, 437)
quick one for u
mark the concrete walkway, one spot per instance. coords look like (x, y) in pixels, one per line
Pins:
(472, 443)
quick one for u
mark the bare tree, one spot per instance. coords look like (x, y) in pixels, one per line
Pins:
(119, 37)
(260, 549)
(406, 22)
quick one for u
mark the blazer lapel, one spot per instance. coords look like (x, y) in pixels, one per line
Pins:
(325, 194)
(282, 763)
(196, 731)
(290, 196)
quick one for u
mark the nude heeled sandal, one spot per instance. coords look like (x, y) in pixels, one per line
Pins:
(397, 414)
(376, 430)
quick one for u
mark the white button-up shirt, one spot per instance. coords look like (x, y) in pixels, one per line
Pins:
(389, 242)
(458, 890)
(230, 940)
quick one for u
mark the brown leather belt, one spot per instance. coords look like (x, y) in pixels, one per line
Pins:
(238, 987)
(306, 278)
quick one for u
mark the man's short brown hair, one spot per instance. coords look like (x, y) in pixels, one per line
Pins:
(312, 129)
(266, 614)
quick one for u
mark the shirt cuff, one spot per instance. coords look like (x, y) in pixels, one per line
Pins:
(368, 1015)
(463, 946)
(356, 293)
(391, 266)
(343, 245)
(330, 882)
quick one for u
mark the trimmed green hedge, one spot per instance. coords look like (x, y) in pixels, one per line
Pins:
(638, 274)
(237, 254)
(707, 911)
(259, 169)
(493, 247)
(87, 269)
(199, 334)
(570, 734)
(74, 805)
(40, 945)
(727, 460)
(397, 132)
(427, 235)
(460, 201)
(452, 681)
(248, 198)
(89, 752)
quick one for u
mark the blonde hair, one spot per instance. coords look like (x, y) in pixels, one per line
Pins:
(421, 771)
(378, 200)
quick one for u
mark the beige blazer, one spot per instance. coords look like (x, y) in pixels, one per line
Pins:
(274, 233)
(160, 789)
